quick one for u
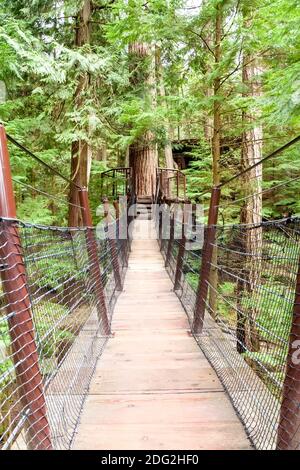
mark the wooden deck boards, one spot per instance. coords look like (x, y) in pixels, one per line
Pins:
(153, 388)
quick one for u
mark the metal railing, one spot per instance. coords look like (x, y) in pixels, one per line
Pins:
(172, 184)
(241, 292)
(116, 182)
(58, 290)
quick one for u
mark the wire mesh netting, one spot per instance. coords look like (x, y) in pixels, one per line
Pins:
(57, 295)
(249, 311)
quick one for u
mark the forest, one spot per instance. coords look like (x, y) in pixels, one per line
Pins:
(77, 90)
(208, 89)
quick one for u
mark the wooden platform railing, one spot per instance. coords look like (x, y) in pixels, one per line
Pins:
(172, 184)
(116, 182)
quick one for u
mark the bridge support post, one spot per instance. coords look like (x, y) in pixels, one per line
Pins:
(207, 252)
(160, 226)
(112, 245)
(123, 241)
(170, 241)
(288, 437)
(94, 260)
(180, 254)
(21, 329)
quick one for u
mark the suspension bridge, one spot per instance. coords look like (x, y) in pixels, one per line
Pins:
(110, 341)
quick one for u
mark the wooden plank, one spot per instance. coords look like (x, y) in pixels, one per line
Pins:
(140, 380)
(153, 388)
(211, 436)
(147, 361)
(146, 323)
(195, 409)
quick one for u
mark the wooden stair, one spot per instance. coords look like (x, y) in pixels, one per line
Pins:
(144, 207)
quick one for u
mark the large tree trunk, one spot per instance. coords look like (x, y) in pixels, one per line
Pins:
(80, 151)
(251, 153)
(252, 209)
(100, 154)
(143, 156)
(143, 160)
(168, 151)
(216, 151)
(208, 126)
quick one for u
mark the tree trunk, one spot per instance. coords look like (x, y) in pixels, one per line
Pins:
(208, 89)
(168, 151)
(208, 122)
(80, 152)
(216, 151)
(143, 160)
(100, 154)
(252, 208)
(143, 156)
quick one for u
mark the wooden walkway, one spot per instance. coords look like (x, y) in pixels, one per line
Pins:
(153, 388)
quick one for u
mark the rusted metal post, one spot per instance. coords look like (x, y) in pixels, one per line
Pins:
(21, 329)
(112, 246)
(180, 255)
(288, 437)
(94, 260)
(207, 252)
(171, 241)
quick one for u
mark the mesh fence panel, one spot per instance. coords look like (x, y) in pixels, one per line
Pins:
(55, 280)
(246, 335)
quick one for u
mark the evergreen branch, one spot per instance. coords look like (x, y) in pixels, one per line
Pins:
(203, 39)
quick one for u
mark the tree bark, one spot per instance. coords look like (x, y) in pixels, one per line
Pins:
(143, 156)
(168, 151)
(208, 126)
(208, 122)
(251, 211)
(216, 151)
(100, 154)
(80, 151)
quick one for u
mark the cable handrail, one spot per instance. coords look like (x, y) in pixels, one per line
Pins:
(44, 193)
(42, 162)
(251, 167)
(262, 160)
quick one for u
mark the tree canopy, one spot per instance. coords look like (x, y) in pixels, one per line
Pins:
(61, 90)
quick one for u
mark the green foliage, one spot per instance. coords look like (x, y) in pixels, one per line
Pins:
(50, 275)
(199, 175)
(49, 320)
(41, 68)
(192, 280)
(36, 210)
(275, 313)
